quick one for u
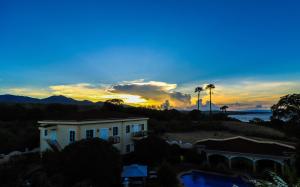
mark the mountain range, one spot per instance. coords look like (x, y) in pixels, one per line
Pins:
(56, 99)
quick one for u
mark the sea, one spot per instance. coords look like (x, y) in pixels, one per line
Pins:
(265, 116)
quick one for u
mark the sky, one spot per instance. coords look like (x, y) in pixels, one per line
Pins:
(147, 52)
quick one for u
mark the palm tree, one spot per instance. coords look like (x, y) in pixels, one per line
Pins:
(198, 90)
(210, 87)
(224, 108)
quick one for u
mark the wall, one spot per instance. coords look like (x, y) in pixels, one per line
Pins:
(62, 132)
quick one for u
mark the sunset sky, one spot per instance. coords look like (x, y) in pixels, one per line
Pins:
(147, 52)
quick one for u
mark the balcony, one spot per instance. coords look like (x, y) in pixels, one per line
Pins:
(114, 139)
(139, 135)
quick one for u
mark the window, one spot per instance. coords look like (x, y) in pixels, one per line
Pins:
(89, 134)
(127, 128)
(45, 132)
(72, 136)
(115, 131)
(128, 148)
(135, 128)
(142, 127)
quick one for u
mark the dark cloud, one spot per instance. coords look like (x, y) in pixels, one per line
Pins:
(147, 91)
(185, 98)
(204, 107)
(156, 91)
(259, 106)
(248, 106)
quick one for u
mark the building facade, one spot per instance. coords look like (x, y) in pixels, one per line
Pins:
(238, 150)
(55, 135)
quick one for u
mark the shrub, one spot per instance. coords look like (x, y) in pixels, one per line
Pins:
(191, 155)
(93, 160)
(167, 176)
(152, 150)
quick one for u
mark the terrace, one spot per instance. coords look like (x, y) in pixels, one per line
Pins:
(242, 149)
(139, 135)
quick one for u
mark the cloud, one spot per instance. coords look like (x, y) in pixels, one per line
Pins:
(154, 92)
(258, 106)
(38, 93)
(81, 91)
(181, 97)
(204, 107)
(246, 94)
(238, 95)
(137, 92)
(249, 106)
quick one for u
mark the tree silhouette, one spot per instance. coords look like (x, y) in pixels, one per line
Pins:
(94, 160)
(287, 108)
(224, 108)
(115, 101)
(198, 90)
(210, 87)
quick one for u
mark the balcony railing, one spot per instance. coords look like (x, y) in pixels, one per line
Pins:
(139, 135)
(114, 139)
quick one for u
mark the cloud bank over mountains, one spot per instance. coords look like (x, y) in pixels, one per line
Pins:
(239, 95)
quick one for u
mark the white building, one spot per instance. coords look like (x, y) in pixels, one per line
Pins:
(55, 135)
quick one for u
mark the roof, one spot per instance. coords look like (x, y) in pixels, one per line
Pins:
(86, 122)
(135, 170)
(241, 144)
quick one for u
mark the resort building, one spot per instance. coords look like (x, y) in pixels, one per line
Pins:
(55, 135)
(246, 153)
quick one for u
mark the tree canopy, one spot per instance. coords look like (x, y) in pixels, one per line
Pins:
(115, 101)
(152, 150)
(91, 160)
(287, 108)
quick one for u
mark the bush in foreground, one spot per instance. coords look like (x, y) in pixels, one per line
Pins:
(152, 150)
(92, 161)
(167, 176)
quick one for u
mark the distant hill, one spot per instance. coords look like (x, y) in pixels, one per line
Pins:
(17, 99)
(59, 99)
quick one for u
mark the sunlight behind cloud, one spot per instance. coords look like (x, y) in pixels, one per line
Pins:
(129, 99)
(238, 95)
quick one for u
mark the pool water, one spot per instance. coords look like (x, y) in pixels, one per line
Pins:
(201, 179)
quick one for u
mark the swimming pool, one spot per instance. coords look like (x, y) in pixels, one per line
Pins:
(201, 179)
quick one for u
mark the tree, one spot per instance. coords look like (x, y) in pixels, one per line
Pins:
(224, 108)
(115, 101)
(152, 150)
(210, 87)
(167, 176)
(198, 90)
(287, 108)
(113, 105)
(297, 163)
(195, 115)
(166, 105)
(91, 160)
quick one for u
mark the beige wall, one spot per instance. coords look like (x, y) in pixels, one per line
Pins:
(62, 132)
(43, 143)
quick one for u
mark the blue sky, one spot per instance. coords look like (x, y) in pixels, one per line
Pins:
(187, 43)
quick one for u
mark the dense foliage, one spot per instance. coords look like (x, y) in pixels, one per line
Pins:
(152, 150)
(167, 176)
(288, 108)
(93, 160)
(18, 123)
(18, 135)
